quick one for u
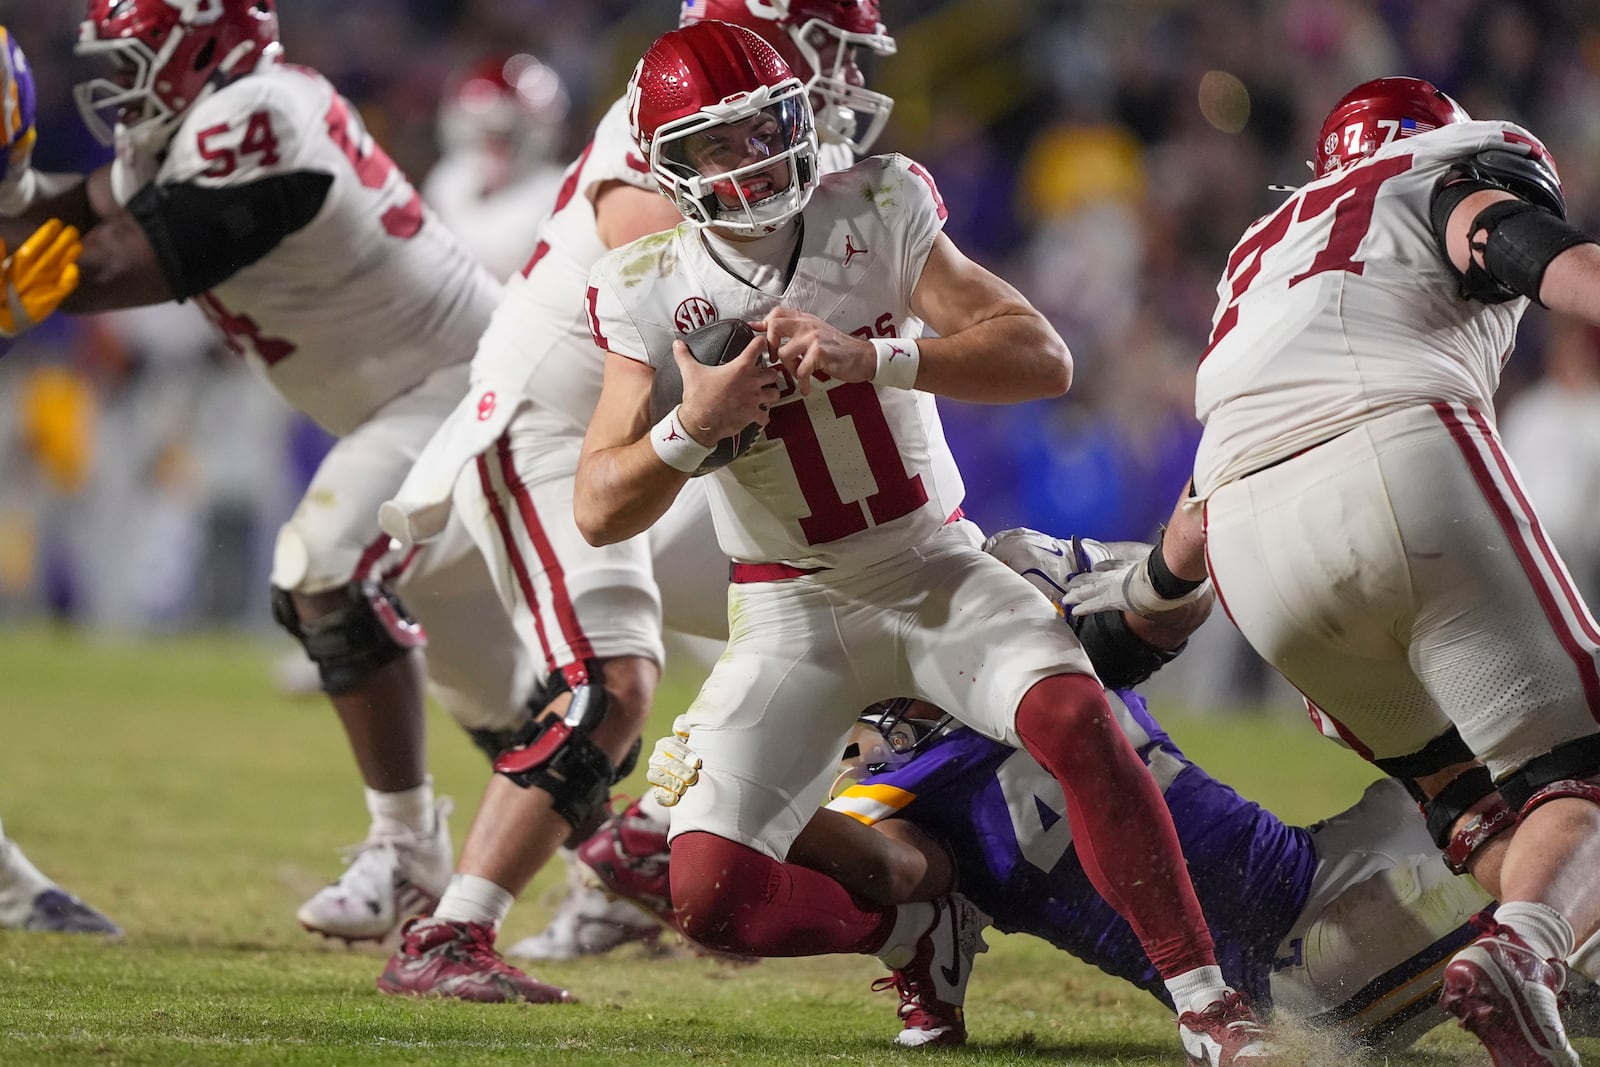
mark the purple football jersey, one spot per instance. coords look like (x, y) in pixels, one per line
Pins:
(1004, 819)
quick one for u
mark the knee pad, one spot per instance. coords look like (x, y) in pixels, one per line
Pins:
(371, 630)
(1564, 765)
(559, 756)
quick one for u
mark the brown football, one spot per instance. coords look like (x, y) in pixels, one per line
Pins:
(713, 344)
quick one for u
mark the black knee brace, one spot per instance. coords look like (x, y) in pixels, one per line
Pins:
(1443, 751)
(372, 629)
(1454, 801)
(1563, 765)
(558, 756)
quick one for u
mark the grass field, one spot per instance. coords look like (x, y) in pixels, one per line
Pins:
(166, 783)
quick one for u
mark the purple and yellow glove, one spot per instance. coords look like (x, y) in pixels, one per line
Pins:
(17, 132)
(41, 274)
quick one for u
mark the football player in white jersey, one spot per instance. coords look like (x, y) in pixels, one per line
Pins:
(855, 577)
(1367, 533)
(593, 615)
(500, 128)
(251, 187)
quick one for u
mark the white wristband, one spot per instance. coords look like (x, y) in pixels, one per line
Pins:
(674, 445)
(17, 195)
(898, 360)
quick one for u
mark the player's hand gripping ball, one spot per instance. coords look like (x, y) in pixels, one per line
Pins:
(711, 345)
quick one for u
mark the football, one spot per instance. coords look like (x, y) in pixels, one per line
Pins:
(713, 344)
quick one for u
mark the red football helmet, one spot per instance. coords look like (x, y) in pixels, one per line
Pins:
(716, 112)
(1377, 112)
(510, 106)
(169, 54)
(818, 39)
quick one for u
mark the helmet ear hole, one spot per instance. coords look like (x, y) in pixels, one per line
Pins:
(202, 58)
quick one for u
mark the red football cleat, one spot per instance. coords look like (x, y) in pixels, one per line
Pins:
(1506, 996)
(438, 958)
(1225, 1032)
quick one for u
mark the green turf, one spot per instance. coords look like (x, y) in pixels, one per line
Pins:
(166, 783)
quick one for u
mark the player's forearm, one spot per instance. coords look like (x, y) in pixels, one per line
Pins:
(620, 492)
(1183, 543)
(1572, 283)
(1014, 357)
(55, 196)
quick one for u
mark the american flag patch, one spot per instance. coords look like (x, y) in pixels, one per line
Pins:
(693, 11)
(1410, 126)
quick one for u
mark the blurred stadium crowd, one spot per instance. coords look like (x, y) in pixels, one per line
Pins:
(1103, 155)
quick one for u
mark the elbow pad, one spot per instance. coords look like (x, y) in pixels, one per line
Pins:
(1520, 244)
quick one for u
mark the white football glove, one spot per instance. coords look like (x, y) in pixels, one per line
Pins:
(17, 131)
(1048, 563)
(674, 766)
(1123, 585)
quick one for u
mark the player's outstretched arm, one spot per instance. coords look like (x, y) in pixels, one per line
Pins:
(1497, 240)
(994, 347)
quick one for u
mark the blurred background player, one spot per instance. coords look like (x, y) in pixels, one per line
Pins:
(1370, 538)
(33, 281)
(501, 130)
(593, 616)
(251, 186)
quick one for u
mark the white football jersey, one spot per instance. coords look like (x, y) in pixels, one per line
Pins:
(1339, 307)
(499, 227)
(363, 302)
(539, 348)
(854, 473)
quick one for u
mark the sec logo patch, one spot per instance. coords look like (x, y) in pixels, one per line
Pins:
(694, 313)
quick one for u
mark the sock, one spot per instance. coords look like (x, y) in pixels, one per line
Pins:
(732, 898)
(651, 809)
(471, 899)
(910, 923)
(1585, 959)
(20, 882)
(409, 811)
(1121, 827)
(1545, 930)
(1195, 990)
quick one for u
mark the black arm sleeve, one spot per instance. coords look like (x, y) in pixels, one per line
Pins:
(204, 235)
(1120, 657)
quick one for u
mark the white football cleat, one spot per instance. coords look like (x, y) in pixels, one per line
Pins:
(589, 922)
(390, 879)
(933, 985)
